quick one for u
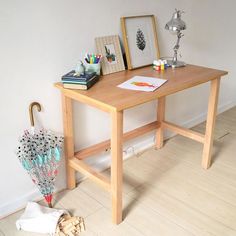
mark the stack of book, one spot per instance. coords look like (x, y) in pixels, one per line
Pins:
(72, 80)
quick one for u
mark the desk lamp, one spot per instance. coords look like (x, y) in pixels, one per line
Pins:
(175, 26)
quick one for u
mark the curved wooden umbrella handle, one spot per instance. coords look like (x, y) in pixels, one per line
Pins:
(31, 106)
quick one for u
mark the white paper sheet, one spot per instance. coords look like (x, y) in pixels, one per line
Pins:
(142, 83)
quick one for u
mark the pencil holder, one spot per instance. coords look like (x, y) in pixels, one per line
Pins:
(93, 68)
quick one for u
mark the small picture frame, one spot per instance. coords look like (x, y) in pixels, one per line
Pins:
(109, 48)
(140, 40)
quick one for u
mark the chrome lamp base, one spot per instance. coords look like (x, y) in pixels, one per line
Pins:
(176, 64)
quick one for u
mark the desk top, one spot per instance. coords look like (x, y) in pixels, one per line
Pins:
(107, 96)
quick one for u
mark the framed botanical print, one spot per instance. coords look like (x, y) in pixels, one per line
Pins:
(140, 40)
(109, 48)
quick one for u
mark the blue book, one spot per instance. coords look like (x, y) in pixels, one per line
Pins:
(78, 81)
(75, 77)
(81, 86)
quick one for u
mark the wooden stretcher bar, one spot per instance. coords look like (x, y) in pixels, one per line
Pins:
(184, 131)
(105, 145)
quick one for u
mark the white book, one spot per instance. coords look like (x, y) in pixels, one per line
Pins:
(142, 83)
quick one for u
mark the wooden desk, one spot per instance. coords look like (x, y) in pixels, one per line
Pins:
(106, 96)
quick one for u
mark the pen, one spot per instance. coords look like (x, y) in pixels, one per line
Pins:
(94, 58)
(88, 56)
(99, 58)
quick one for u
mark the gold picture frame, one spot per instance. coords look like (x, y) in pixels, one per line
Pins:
(140, 40)
(112, 59)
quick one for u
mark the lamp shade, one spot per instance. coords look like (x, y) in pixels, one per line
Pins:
(176, 24)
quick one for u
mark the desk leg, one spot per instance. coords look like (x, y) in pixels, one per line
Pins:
(68, 139)
(160, 118)
(210, 124)
(116, 165)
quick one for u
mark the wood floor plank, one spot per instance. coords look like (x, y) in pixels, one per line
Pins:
(190, 154)
(180, 213)
(150, 222)
(78, 203)
(195, 197)
(182, 188)
(195, 176)
(100, 223)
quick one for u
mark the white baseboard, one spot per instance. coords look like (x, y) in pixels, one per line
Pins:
(19, 203)
(102, 163)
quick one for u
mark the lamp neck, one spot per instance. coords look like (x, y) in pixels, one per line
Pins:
(176, 47)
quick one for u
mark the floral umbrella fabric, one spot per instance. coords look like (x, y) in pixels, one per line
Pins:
(40, 155)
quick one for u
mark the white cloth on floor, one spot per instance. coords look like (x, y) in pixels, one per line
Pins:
(39, 219)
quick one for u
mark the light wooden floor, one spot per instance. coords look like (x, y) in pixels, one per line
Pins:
(166, 192)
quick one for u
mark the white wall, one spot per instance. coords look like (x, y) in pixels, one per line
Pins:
(41, 40)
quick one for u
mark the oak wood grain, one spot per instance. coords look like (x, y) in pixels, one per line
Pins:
(210, 125)
(107, 96)
(68, 139)
(88, 171)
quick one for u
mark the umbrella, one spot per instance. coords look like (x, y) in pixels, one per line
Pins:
(40, 153)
